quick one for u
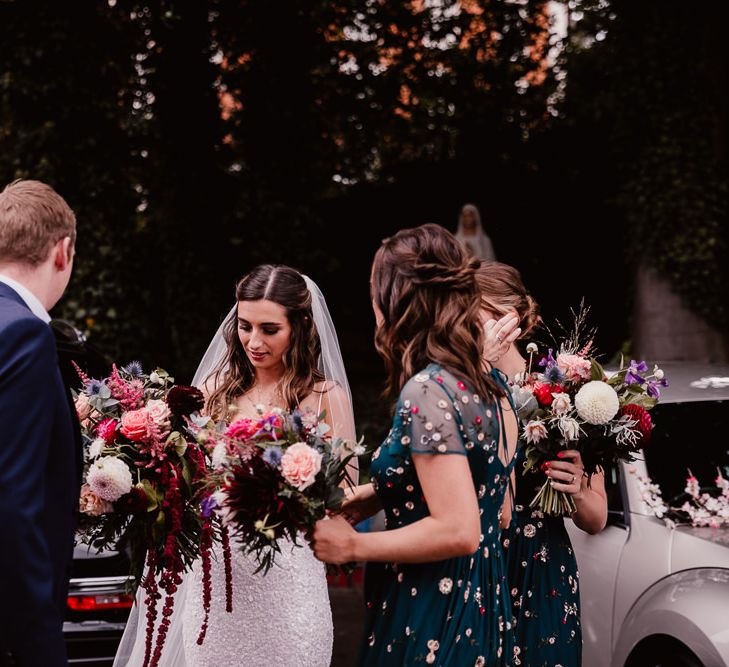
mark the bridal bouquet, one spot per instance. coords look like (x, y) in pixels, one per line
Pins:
(143, 473)
(274, 477)
(571, 403)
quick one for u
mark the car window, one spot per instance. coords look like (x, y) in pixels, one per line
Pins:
(688, 435)
(614, 495)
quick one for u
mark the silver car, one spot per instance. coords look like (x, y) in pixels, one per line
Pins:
(650, 594)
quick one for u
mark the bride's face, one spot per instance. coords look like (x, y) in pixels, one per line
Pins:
(264, 332)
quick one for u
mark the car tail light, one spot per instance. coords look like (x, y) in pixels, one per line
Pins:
(100, 602)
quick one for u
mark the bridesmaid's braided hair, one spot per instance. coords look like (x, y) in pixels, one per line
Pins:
(235, 375)
(424, 283)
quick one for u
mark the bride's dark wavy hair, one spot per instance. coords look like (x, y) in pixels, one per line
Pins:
(424, 283)
(235, 374)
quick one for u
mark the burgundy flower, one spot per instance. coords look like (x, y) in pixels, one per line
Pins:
(252, 491)
(644, 423)
(183, 400)
(134, 502)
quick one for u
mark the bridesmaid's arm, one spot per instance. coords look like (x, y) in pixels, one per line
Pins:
(589, 495)
(452, 529)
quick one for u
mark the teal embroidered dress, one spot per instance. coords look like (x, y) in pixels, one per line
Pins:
(542, 574)
(454, 612)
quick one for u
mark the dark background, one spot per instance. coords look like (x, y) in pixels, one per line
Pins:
(195, 140)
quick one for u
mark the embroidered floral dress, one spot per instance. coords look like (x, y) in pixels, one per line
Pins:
(454, 612)
(542, 574)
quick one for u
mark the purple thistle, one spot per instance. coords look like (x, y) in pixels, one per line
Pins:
(272, 455)
(633, 374)
(133, 368)
(554, 374)
(93, 388)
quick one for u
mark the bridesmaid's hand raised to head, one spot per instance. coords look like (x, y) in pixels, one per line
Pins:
(499, 335)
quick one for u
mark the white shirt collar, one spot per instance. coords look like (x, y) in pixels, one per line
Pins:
(30, 299)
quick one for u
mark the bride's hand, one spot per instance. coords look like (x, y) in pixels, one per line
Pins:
(361, 502)
(333, 541)
(500, 334)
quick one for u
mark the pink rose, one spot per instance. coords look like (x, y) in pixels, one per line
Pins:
(575, 367)
(300, 465)
(160, 413)
(83, 407)
(135, 424)
(91, 504)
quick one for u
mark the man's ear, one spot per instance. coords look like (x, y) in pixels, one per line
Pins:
(63, 253)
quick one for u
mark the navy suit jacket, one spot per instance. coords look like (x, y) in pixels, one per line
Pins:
(39, 487)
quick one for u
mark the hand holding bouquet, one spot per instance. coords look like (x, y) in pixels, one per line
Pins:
(572, 404)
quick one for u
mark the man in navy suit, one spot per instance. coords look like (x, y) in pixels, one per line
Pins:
(39, 452)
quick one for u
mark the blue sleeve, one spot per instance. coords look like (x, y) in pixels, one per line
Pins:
(30, 620)
(432, 422)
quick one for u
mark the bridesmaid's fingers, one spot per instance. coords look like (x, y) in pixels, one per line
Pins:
(572, 454)
(564, 465)
(564, 475)
(565, 488)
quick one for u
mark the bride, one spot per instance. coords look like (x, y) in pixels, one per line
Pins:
(277, 349)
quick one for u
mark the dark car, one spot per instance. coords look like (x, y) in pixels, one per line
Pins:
(97, 607)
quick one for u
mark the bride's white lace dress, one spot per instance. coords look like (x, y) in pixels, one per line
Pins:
(282, 618)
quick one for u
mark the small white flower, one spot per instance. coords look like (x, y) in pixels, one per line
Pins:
(658, 373)
(154, 378)
(561, 403)
(109, 478)
(445, 585)
(597, 402)
(219, 456)
(96, 447)
(532, 348)
(530, 530)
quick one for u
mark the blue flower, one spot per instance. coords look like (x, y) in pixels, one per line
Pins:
(133, 368)
(208, 506)
(297, 421)
(93, 388)
(272, 455)
(632, 376)
(554, 374)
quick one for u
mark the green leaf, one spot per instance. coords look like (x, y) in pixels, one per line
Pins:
(598, 373)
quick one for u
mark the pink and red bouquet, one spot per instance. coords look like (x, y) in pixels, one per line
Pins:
(274, 477)
(571, 403)
(144, 473)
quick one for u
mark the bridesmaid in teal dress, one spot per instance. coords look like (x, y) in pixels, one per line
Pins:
(441, 474)
(542, 569)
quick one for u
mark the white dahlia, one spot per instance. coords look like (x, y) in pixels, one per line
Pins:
(597, 402)
(109, 478)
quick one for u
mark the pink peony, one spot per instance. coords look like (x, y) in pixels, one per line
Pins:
(83, 407)
(160, 413)
(575, 367)
(243, 429)
(135, 424)
(91, 504)
(300, 465)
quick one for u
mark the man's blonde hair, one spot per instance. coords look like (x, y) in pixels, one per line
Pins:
(33, 218)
